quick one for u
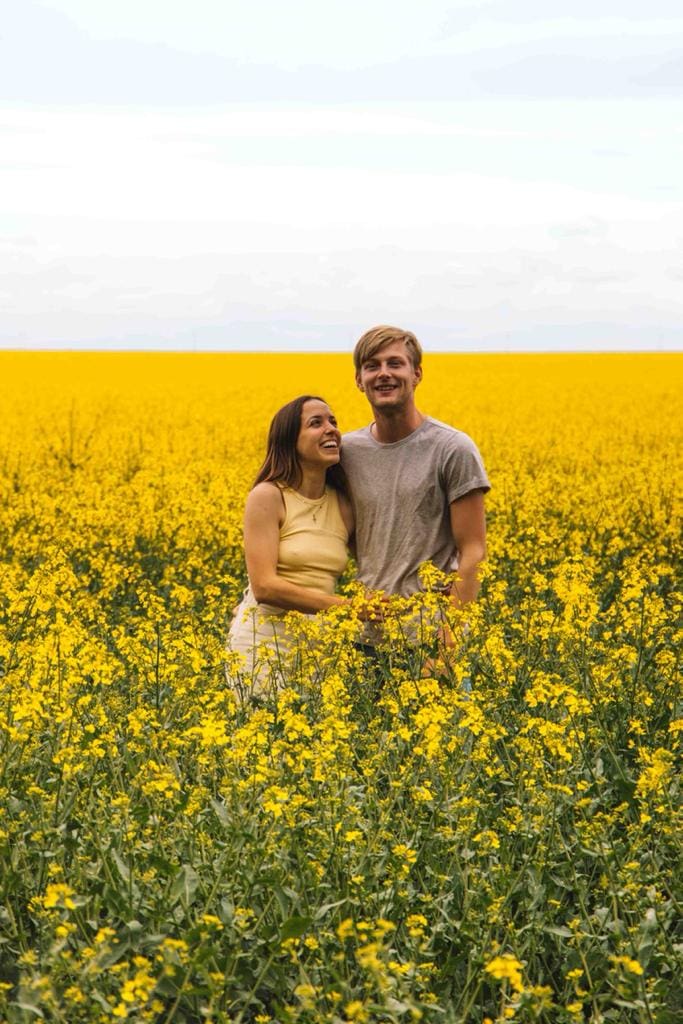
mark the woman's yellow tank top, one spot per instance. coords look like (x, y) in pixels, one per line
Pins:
(313, 540)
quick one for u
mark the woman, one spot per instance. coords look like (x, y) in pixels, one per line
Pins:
(297, 524)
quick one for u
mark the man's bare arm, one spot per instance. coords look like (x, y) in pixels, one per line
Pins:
(468, 524)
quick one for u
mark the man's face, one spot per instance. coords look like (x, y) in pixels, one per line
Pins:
(389, 378)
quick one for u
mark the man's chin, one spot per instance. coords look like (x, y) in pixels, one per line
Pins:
(388, 401)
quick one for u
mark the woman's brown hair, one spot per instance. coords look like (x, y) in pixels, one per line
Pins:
(281, 464)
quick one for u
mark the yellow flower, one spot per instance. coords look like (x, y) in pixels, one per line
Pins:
(401, 850)
(306, 994)
(58, 894)
(506, 968)
(212, 921)
(630, 965)
(655, 775)
(345, 929)
(416, 924)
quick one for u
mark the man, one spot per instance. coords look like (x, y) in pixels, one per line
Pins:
(417, 485)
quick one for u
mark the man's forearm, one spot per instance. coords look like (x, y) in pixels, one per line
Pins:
(466, 587)
(463, 591)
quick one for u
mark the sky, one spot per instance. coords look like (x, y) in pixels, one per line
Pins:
(491, 174)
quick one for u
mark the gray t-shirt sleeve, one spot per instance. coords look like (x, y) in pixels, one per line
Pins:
(463, 468)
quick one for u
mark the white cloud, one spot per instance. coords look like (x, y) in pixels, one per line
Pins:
(179, 176)
(215, 53)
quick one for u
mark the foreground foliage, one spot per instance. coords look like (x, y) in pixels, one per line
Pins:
(496, 838)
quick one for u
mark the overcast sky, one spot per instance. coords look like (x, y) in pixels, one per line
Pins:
(220, 174)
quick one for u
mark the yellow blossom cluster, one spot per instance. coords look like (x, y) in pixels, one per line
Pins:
(485, 832)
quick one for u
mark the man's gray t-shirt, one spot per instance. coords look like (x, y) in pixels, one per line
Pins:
(401, 494)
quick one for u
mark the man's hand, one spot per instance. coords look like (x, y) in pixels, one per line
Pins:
(441, 664)
(374, 606)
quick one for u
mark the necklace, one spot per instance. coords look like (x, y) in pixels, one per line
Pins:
(315, 504)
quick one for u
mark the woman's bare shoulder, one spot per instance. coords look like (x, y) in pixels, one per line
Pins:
(266, 497)
(266, 489)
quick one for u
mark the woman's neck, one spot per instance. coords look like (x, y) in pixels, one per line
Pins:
(312, 483)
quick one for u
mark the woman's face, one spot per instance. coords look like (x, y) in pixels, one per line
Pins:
(319, 441)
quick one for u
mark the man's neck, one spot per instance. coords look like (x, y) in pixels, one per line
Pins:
(389, 428)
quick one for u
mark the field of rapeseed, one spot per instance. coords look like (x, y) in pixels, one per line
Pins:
(495, 842)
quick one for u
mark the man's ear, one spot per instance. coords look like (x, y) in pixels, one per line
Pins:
(358, 383)
(418, 375)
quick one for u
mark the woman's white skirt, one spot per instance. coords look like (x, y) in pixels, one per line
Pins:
(259, 649)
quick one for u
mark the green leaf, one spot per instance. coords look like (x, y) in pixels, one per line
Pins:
(294, 926)
(281, 897)
(558, 929)
(185, 885)
(396, 1006)
(221, 812)
(113, 956)
(98, 998)
(326, 907)
(649, 922)
(23, 1004)
(121, 865)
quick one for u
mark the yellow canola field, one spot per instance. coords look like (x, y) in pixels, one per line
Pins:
(496, 840)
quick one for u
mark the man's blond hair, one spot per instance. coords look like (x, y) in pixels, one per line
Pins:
(378, 338)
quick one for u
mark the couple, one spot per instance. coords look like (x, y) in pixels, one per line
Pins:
(405, 490)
